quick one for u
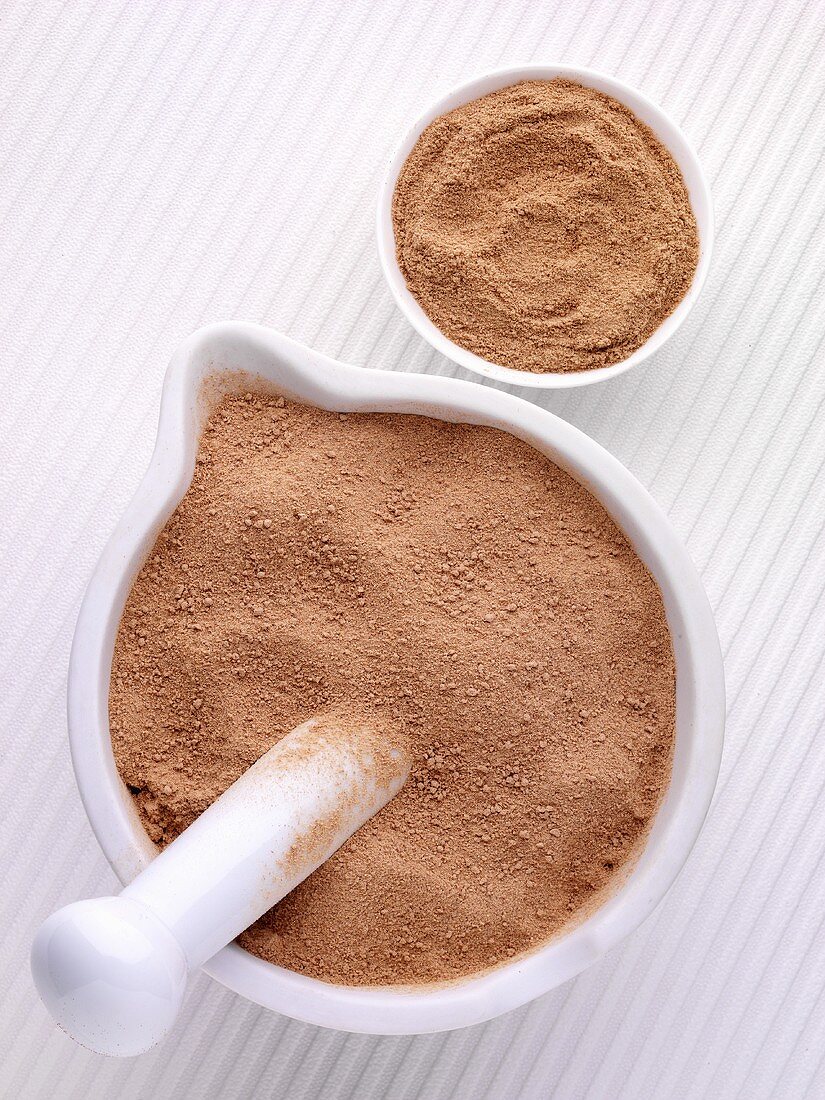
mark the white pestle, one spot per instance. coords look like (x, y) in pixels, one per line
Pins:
(113, 971)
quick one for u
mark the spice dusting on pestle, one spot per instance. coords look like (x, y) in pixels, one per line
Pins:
(544, 227)
(446, 581)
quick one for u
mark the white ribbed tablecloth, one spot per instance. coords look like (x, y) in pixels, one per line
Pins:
(166, 164)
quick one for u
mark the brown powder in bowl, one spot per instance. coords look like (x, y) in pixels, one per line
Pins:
(544, 227)
(451, 582)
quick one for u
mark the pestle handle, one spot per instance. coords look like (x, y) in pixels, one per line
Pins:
(112, 971)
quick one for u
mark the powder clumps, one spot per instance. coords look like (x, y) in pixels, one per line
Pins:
(455, 585)
(544, 227)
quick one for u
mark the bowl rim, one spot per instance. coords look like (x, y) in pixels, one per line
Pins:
(300, 373)
(668, 132)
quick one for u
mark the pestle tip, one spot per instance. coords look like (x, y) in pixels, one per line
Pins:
(110, 973)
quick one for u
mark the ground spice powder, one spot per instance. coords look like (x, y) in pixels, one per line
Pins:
(544, 227)
(451, 582)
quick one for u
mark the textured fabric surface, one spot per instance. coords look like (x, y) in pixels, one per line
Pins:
(166, 164)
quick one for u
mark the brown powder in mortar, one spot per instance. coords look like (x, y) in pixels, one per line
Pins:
(444, 579)
(544, 227)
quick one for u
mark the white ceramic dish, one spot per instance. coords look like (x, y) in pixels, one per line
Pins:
(668, 133)
(301, 374)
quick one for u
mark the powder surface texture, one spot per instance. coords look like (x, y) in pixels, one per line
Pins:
(544, 227)
(449, 582)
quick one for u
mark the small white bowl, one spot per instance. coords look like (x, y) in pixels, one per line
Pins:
(668, 133)
(204, 367)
